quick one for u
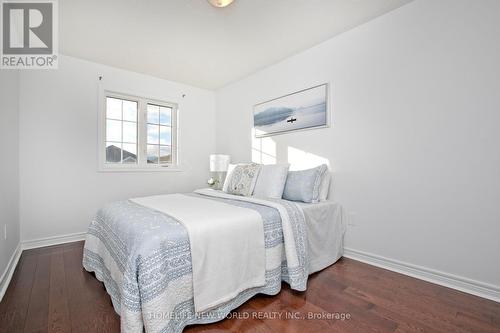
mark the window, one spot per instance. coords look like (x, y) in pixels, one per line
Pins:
(121, 131)
(137, 133)
(159, 134)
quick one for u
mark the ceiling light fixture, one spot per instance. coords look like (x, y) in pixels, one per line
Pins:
(220, 3)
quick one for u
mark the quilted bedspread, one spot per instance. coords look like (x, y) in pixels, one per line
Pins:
(143, 257)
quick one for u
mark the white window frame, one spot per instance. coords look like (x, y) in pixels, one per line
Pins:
(141, 165)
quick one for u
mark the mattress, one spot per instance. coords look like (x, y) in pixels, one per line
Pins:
(326, 226)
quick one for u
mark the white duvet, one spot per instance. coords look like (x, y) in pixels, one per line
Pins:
(214, 227)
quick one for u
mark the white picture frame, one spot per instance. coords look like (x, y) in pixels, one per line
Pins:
(301, 110)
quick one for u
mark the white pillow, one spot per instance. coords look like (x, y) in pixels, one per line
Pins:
(271, 181)
(325, 186)
(230, 170)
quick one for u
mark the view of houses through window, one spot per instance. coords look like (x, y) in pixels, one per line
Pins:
(121, 131)
(159, 134)
(139, 132)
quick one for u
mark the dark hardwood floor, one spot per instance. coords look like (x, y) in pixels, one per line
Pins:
(50, 292)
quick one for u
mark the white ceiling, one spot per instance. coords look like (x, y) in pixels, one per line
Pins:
(190, 41)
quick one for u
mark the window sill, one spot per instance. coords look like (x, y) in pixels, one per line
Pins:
(107, 169)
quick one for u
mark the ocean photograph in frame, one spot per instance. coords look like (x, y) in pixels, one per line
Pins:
(304, 109)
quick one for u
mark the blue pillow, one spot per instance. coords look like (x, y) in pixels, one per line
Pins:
(304, 185)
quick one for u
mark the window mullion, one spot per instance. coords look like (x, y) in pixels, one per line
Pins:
(121, 125)
(142, 128)
(174, 131)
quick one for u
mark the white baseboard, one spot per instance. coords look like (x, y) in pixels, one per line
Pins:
(55, 240)
(33, 244)
(9, 270)
(466, 285)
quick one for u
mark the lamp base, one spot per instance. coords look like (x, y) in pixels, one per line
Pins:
(219, 178)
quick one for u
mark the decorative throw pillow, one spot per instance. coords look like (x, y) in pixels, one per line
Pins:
(242, 179)
(304, 185)
(271, 181)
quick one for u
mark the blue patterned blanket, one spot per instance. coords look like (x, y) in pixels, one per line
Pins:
(143, 258)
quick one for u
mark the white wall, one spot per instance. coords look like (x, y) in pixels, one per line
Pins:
(60, 186)
(415, 138)
(9, 168)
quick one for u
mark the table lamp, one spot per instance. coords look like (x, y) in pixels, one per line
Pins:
(218, 170)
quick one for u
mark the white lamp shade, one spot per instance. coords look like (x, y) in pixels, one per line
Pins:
(219, 163)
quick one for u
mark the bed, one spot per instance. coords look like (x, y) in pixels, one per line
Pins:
(145, 256)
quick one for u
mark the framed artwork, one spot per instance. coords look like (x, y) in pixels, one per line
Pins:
(304, 109)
